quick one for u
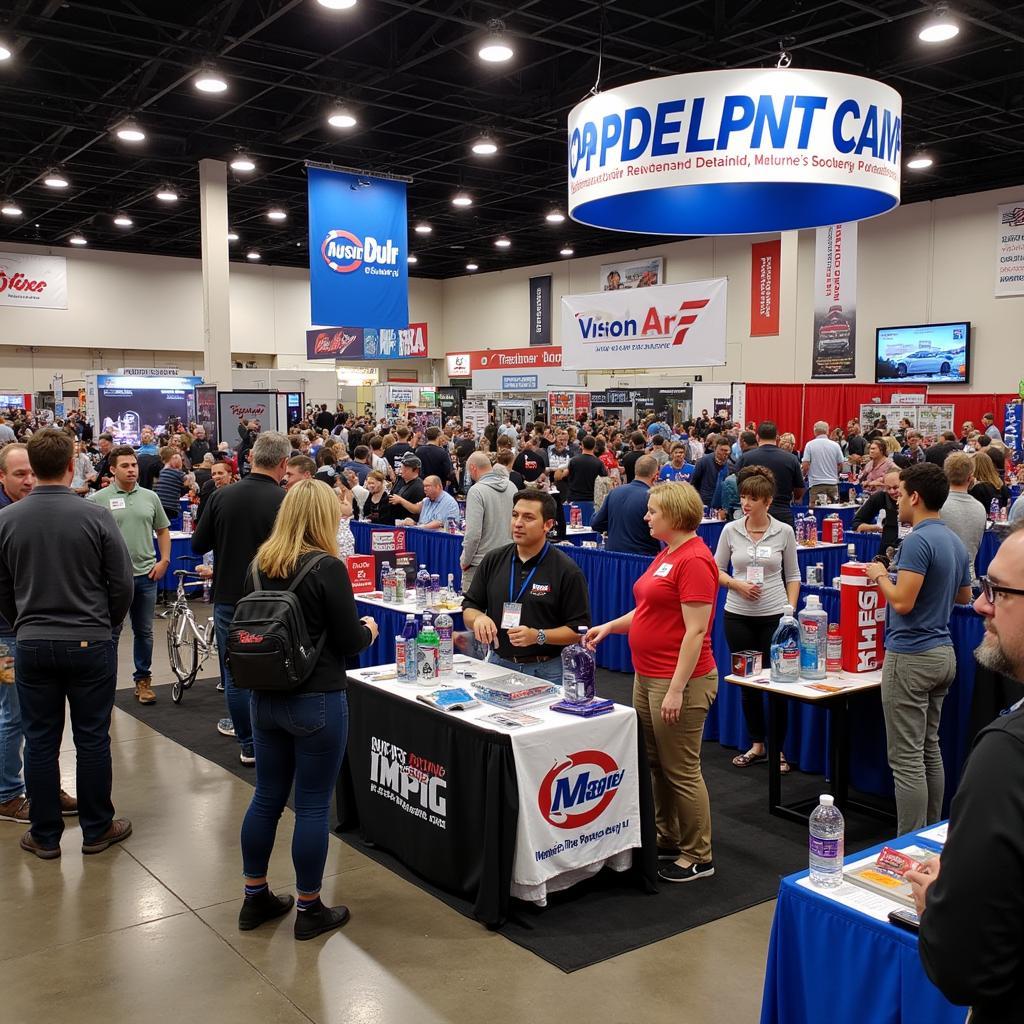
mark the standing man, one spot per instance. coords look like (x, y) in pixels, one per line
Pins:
(677, 471)
(408, 491)
(856, 445)
(220, 476)
(528, 598)
(822, 463)
(711, 469)
(488, 514)
(931, 574)
(637, 448)
(583, 472)
(961, 511)
(530, 463)
(138, 515)
(621, 515)
(65, 652)
(789, 477)
(434, 457)
(988, 422)
(105, 442)
(200, 447)
(235, 522)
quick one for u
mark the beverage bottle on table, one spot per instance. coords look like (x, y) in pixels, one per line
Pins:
(851, 552)
(785, 649)
(405, 651)
(435, 588)
(388, 584)
(452, 592)
(813, 639)
(385, 568)
(834, 650)
(422, 587)
(579, 671)
(428, 651)
(186, 523)
(446, 640)
(812, 529)
(826, 827)
(401, 585)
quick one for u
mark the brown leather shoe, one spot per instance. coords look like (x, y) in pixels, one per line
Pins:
(29, 845)
(15, 810)
(68, 805)
(120, 829)
(144, 690)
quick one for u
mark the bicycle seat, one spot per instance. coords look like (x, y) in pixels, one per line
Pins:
(185, 572)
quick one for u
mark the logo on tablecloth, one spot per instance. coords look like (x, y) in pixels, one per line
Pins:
(415, 784)
(579, 789)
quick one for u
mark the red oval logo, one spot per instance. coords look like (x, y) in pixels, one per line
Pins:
(331, 250)
(573, 794)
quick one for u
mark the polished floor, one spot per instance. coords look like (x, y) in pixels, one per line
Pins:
(148, 929)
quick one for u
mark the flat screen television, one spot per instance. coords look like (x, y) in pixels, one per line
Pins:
(923, 354)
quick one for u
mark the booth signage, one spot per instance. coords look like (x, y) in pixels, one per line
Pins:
(540, 310)
(367, 342)
(632, 274)
(616, 398)
(765, 260)
(149, 371)
(516, 358)
(233, 406)
(735, 152)
(519, 382)
(835, 302)
(33, 282)
(674, 325)
(458, 364)
(1010, 249)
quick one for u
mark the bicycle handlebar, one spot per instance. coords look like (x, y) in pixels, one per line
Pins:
(185, 572)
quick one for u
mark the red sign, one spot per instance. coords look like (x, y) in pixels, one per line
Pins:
(361, 571)
(335, 343)
(582, 403)
(539, 357)
(387, 540)
(765, 265)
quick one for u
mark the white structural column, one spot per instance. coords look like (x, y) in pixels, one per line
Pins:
(213, 211)
(789, 297)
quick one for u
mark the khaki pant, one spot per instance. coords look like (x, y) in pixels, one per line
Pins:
(831, 491)
(681, 806)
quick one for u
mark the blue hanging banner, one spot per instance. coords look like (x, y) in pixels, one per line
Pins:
(358, 248)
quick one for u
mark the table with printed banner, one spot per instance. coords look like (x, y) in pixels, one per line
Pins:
(488, 809)
(837, 946)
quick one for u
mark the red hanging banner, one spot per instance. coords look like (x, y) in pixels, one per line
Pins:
(765, 264)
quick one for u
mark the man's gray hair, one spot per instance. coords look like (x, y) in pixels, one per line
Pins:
(821, 427)
(270, 450)
(480, 460)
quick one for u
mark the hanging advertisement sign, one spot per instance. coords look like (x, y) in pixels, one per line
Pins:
(1010, 249)
(536, 379)
(358, 248)
(735, 152)
(458, 364)
(335, 343)
(582, 401)
(516, 358)
(765, 263)
(1013, 428)
(674, 325)
(33, 282)
(367, 343)
(723, 408)
(632, 274)
(835, 302)
(540, 310)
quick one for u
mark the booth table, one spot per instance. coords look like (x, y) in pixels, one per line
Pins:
(831, 961)
(390, 619)
(487, 812)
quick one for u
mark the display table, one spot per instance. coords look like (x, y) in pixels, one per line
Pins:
(844, 511)
(829, 960)
(390, 619)
(487, 812)
(181, 558)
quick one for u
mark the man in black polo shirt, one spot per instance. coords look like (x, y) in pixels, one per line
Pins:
(789, 477)
(397, 451)
(530, 462)
(434, 457)
(408, 490)
(583, 471)
(528, 598)
(637, 449)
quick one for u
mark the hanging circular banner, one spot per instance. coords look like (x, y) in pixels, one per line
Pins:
(735, 152)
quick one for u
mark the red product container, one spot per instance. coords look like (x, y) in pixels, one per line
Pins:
(362, 573)
(861, 619)
(832, 531)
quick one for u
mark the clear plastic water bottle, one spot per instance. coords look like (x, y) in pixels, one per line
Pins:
(428, 652)
(401, 589)
(435, 589)
(208, 583)
(406, 652)
(785, 650)
(452, 592)
(826, 828)
(813, 639)
(446, 636)
(422, 587)
(579, 671)
(186, 523)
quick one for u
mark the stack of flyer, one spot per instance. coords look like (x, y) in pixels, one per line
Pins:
(886, 875)
(515, 691)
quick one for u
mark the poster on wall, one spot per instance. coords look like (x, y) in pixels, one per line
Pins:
(383, 343)
(540, 310)
(33, 282)
(206, 412)
(474, 414)
(1013, 428)
(835, 302)
(235, 406)
(871, 413)
(932, 420)
(765, 263)
(561, 408)
(124, 405)
(1010, 249)
(632, 274)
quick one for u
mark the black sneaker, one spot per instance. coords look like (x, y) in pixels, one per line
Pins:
(668, 852)
(311, 923)
(674, 873)
(263, 908)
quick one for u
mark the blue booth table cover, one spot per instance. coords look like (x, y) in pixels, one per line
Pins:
(829, 962)
(181, 558)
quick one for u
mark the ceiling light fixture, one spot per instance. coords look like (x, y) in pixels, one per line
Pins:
(122, 220)
(462, 199)
(232, 236)
(252, 254)
(276, 213)
(940, 28)
(242, 162)
(5, 50)
(209, 79)
(485, 145)
(565, 252)
(167, 194)
(337, 5)
(341, 117)
(495, 49)
(55, 179)
(919, 161)
(503, 242)
(412, 259)
(78, 240)
(471, 267)
(10, 208)
(130, 130)
(555, 217)
(423, 228)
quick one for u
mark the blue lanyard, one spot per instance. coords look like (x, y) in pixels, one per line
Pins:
(512, 576)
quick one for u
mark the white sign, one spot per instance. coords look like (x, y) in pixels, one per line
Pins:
(1010, 249)
(33, 282)
(735, 152)
(358, 376)
(905, 399)
(400, 393)
(458, 364)
(674, 325)
(577, 804)
(149, 371)
(531, 379)
(632, 274)
(474, 414)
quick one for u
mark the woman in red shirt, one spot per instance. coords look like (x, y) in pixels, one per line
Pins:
(607, 458)
(676, 680)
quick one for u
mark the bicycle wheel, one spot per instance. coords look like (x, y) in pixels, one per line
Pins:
(183, 654)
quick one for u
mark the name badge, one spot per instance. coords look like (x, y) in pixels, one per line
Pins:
(511, 613)
(663, 570)
(764, 551)
(755, 574)
(117, 503)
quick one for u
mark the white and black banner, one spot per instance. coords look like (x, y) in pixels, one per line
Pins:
(835, 302)
(540, 310)
(33, 282)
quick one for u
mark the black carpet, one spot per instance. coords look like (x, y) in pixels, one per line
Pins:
(606, 915)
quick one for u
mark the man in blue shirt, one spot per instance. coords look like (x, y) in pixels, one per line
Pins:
(711, 469)
(437, 508)
(932, 572)
(621, 515)
(678, 470)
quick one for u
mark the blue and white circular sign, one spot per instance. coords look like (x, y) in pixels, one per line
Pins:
(735, 152)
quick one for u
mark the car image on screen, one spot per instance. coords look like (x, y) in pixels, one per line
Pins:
(924, 361)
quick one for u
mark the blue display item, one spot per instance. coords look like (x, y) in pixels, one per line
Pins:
(579, 672)
(785, 649)
(1013, 428)
(923, 354)
(358, 250)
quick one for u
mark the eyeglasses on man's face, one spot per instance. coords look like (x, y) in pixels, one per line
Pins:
(990, 589)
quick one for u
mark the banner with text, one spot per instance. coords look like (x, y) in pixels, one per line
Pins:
(671, 325)
(540, 310)
(1010, 249)
(367, 343)
(765, 263)
(358, 248)
(835, 302)
(33, 282)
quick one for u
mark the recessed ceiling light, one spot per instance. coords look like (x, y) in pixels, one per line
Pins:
(919, 161)
(940, 27)
(462, 199)
(167, 194)
(341, 117)
(412, 259)
(471, 267)
(485, 145)
(232, 236)
(423, 228)
(242, 162)
(555, 217)
(78, 240)
(276, 213)
(10, 208)
(122, 220)
(55, 179)
(495, 49)
(209, 79)
(503, 242)
(130, 130)
(337, 5)
(252, 255)
(5, 50)
(565, 252)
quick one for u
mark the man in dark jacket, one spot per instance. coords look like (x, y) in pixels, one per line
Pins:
(434, 457)
(883, 500)
(710, 469)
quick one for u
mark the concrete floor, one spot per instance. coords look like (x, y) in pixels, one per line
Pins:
(150, 927)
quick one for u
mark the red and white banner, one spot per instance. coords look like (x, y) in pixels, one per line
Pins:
(835, 302)
(33, 282)
(578, 804)
(765, 264)
(671, 325)
(539, 357)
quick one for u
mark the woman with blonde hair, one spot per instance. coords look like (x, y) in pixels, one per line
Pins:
(300, 734)
(989, 484)
(876, 465)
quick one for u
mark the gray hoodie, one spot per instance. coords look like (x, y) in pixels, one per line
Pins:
(488, 516)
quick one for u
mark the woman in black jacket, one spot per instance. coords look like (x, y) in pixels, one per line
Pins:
(300, 734)
(989, 484)
(376, 508)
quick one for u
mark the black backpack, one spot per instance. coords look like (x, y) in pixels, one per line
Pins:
(268, 641)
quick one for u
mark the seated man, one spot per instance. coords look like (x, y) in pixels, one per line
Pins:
(437, 508)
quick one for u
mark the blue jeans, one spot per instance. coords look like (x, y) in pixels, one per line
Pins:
(141, 613)
(549, 670)
(302, 739)
(237, 700)
(11, 784)
(84, 674)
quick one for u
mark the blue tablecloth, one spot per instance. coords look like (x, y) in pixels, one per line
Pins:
(389, 625)
(827, 962)
(181, 558)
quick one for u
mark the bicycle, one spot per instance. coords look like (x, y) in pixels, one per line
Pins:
(188, 646)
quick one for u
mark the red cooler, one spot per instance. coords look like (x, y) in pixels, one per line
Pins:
(832, 530)
(861, 619)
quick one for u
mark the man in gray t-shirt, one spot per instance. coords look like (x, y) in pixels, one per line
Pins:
(822, 461)
(962, 512)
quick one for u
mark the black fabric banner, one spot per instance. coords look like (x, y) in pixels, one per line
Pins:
(540, 310)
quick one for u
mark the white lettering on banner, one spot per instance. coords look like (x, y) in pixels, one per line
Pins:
(867, 620)
(34, 282)
(415, 784)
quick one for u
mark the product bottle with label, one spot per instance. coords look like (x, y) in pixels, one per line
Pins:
(826, 830)
(785, 649)
(422, 587)
(579, 671)
(813, 639)
(446, 637)
(405, 651)
(834, 650)
(401, 589)
(428, 651)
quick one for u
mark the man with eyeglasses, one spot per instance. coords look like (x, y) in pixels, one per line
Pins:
(971, 901)
(883, 500)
